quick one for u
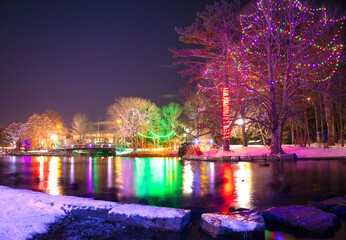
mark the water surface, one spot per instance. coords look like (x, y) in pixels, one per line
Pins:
(170, 182)
(174, 183)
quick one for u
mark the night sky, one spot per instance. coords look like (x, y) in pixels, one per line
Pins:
(78, 56)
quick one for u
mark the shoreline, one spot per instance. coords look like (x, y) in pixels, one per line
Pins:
(251, 153)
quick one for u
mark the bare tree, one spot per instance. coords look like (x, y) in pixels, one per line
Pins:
(132, 116)
(39, 128)
(15, 134)
(280, 46)
(81, 125)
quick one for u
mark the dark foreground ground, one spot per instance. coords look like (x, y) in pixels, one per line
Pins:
(73, 228)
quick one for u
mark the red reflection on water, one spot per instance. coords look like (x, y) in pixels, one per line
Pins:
(228, 187)
(35, 162)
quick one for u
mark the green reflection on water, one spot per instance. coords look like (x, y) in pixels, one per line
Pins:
(95, 188)
(159, 177)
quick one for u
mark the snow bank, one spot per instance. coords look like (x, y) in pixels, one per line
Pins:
(24, 213)
(314, 151)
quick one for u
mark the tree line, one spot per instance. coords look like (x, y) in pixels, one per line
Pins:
(277, 59)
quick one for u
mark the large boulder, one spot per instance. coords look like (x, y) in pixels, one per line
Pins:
(135, 215)
(335, 205)
(87, 211)
(308, 220)
(238, 225)
(149, 217)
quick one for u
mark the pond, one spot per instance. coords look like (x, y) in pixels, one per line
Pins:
(170, 182)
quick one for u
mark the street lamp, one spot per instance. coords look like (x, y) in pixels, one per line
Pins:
(54, 137)
(240, 122)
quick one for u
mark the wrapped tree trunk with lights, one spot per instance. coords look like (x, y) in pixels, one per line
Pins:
(212, 32)
(225, 118)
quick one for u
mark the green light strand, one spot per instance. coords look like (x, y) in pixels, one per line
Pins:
(158, 136)
(177, 134)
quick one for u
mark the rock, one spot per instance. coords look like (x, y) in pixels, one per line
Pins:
(246, 158)
(335, 205)
(288, 157)
(260, 157)
(88, 211)
(149, 217)
(242, 225)
(230, 158)
(234, 158)
(272, 158)
(304, 219)
(212, 159)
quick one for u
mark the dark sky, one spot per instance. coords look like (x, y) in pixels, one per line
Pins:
(77, 56)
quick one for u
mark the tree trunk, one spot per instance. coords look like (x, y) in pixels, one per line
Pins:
(340, 115)
(307, 133)
(226, 144)
(318, 134)
(328, 110)
(322, 123)
(333, 125)
(277, 140)
(244, 135)
(293, 140)
(263, 138)
(341, 129)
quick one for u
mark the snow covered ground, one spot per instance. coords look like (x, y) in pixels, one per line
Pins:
(314, 151)
(21, 215)
(24, 213)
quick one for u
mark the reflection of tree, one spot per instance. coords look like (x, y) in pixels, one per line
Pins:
(81, 125)
(279, 183)
(228, 186)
